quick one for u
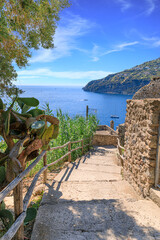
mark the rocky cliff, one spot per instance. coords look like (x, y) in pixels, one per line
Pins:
(128, 81)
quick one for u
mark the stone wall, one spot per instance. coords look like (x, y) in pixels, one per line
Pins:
(100, 139)
(121, 133)
(141, 143)
(105, 136)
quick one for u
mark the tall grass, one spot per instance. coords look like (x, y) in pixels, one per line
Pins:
(71, 129)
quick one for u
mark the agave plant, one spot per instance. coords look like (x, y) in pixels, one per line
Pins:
(26, 133)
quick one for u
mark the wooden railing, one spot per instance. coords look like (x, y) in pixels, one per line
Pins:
(120, 153)
(17, 226)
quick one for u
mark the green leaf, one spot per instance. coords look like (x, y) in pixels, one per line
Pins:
(7, 218)
(47, 136)
(36, 112)
(1, 104)
(3, 206)
(56, 131)
(37, 124)
(20, 103)
(32, 102)
(31, 215)
(25, 108)
(40, 132)
(23, 115)
(2, 174)
(6, 116)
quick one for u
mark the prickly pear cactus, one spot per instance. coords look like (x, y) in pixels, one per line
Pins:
(31, 215)
(26, 133)
(7, 218)
(2, 205)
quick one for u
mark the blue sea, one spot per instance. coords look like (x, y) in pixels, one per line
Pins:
(73, 100)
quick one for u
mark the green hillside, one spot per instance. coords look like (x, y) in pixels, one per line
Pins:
(126, 82)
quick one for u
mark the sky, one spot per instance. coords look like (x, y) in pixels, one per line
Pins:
(94, 39)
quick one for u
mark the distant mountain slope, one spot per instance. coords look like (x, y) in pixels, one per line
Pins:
(126, 82)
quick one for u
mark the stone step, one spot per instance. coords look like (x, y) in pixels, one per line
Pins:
(97, 219)
(77, 175)
(99, 168)
(78, 191)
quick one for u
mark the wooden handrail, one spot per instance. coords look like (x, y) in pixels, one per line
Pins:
(59, 147)
(120, 145)
(19, 221)
(14, 228)
(77, 141)
(120, 149)
(19, 178)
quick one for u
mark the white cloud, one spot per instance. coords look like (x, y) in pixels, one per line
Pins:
(65, 39)
(45, 72)
(120, 47)
(95, 53)
(151, 41)
(151, 6)
(125, 4)
(95, 59)
(157, 43)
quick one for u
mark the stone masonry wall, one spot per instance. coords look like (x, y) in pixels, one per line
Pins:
(141, 143)
(121, 133)
(100, 139)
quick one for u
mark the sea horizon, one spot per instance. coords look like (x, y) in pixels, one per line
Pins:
(73, 101)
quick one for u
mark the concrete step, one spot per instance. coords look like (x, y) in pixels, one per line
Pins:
(78, 175)
(99, 168)
(88, 200)
(97, 219)
(104, 161)
(79, 191)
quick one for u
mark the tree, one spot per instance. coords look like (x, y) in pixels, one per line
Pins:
(24, 25)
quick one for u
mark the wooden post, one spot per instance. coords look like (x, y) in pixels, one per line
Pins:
(18, 209)
(87, 112)
(69, 149)
(45, 172)
(82, 146)
(89, 144)
(112, 124)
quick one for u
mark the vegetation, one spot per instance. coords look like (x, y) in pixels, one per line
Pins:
(18, 126)
(7, 218)
(128, 81)
(70, 129)
(25, 133)
(25, 25)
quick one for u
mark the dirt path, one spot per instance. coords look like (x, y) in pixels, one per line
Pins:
(89, 200)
